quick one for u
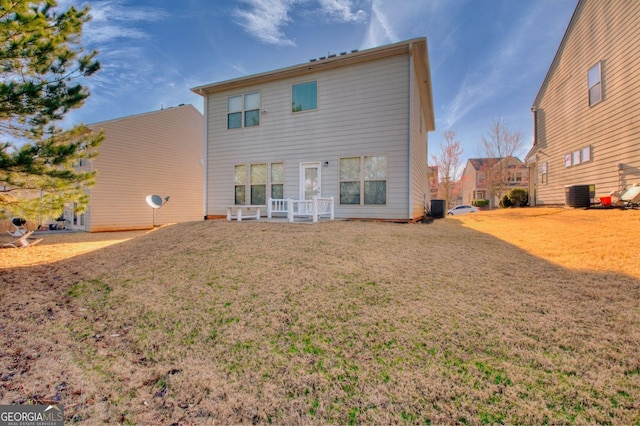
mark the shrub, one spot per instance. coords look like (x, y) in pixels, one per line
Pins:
(480, 203)
(505, 202)
(519, 197)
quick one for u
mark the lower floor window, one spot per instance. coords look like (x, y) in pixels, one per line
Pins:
(256, 181)
(544, 173)
(363, 180)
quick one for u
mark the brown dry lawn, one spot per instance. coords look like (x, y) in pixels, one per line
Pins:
(514, 316)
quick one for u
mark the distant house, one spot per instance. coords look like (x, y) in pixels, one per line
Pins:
(480, 173)
(587, 114)
(156, 153)
(352, 126)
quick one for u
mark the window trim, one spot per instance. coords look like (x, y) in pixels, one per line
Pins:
(243, 111)
(567, 160)
(251, 184)
(293, 111)
(516, 176)
(236, 185)
(248, 184)
(362, 180)
(577, 157)
(544, 173)
(481, 178)
(595, 84)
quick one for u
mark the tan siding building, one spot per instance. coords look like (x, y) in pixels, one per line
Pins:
(478, 173)
(157, 153)
(587, 112)
(357, 121)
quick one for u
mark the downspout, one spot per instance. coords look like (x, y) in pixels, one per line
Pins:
(410, 168)
(533, 177)
(88, 223)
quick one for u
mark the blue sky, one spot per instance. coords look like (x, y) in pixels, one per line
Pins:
(488, 57)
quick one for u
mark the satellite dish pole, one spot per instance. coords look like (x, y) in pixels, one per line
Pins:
(155, 202)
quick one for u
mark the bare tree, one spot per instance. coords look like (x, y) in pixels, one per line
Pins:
(448, 162)
(501, 146)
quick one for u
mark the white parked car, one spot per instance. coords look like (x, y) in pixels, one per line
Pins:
(462, 209)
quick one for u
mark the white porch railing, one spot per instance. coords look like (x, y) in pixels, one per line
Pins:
(316, 208)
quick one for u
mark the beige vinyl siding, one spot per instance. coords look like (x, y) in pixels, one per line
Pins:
(420, 190)
(600, 31)
(154, 153)
(362, 109)
(469, 183)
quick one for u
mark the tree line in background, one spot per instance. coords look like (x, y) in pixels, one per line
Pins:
(500, 145)
(41, 63)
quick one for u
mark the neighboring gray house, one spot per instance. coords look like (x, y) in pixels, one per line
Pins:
(587, 112)
(352, 126)
(159, 153)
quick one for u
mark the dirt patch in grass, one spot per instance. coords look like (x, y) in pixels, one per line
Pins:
(338, 322)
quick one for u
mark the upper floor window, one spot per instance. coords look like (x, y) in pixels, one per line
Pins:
(304, 96)
(243, 110)
(482, 178)
(594, 79)
(516, 176)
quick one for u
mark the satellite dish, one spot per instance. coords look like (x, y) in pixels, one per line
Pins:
(154, 201)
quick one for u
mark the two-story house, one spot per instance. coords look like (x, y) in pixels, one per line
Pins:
(587, 112)
(352, 126)
(154, 153)
(483, 177)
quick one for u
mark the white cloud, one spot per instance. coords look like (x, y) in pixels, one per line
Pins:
(113, 19)
(505, 66)
(264, 20)
(241, 69)
(112, 32)
(120, 31)
(341, 10)
(473, 92)
(117, 10)
(267, 19)
(380, 29)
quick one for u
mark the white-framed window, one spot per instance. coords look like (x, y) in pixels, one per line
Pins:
(567, 160)
(594, 81)
(277, 180)
(243, 110)
(258, 182)
(482, 178)
(578, 156)
(516, 176)
(255, 181)
(363, 180)
(304, 96)
(575, 157)
(240, 181)
(544, 172)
